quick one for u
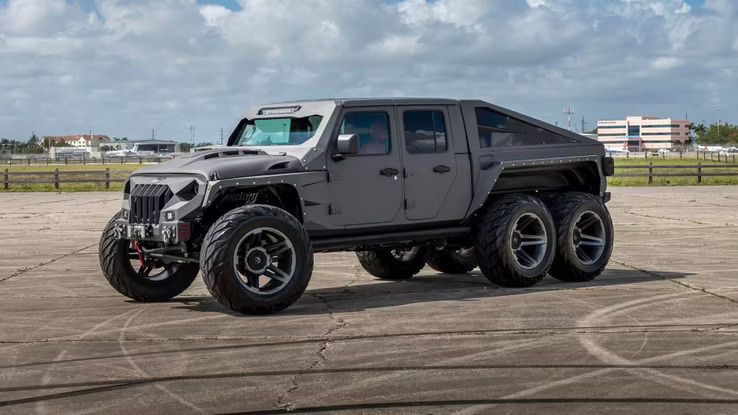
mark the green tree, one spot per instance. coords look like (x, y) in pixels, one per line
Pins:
(185, 147)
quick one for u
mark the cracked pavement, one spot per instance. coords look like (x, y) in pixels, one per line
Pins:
(656, 333)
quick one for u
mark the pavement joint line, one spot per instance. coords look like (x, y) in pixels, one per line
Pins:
(358, 369)
(27, 269)
(692, 328)
(683, 284)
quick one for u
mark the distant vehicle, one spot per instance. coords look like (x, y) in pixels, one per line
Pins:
(664, 151)
(616, 150)
(133, 152)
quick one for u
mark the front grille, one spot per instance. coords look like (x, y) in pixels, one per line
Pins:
(147, 201)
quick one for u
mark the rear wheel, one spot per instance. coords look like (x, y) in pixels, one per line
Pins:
(257, 259)
(393, 264)
(135, 278)
(515, 241)
(449, 261)
(585, 236)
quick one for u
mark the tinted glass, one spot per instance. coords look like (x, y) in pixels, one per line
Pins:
(278, 131)
(499, 130)
(634, 131)
(372, 129)
(425, 131)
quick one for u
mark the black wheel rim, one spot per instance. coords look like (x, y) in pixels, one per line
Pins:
(528, 241)
(588, 237)
(264, 261)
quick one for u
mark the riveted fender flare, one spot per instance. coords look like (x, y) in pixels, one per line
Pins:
(489, 179)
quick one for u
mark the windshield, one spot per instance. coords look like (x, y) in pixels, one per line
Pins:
(278, 131)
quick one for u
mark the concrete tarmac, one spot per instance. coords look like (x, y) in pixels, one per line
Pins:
(656, 333)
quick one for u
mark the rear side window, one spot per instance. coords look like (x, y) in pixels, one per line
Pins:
(499, 130)
(425, 132)
(372, 129)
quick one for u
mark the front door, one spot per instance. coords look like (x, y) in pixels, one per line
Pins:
(428, 156)
(366, 188)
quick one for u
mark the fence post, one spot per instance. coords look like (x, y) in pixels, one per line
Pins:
(121, 160)
(645, 154)
(103, 160)
(733, 158)
(139, 160)
(47, 161)
(680, 155)
(28, 160)
(5, 185)
(107, 177)
(56, 178)
(699, 172)
(66, 160)
(650, 172)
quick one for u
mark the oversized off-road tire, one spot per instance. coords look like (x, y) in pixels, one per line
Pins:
(584, 237)
(257, 259)
(118, 270)
(459, 261)
(393, 264)
(515, 241)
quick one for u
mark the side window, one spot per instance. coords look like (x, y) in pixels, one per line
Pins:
(372, 129)
(425, 132)
(498, 130)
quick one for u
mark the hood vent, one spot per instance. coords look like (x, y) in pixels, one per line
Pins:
(229, 153)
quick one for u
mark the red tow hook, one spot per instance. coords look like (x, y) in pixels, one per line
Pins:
(140, 255)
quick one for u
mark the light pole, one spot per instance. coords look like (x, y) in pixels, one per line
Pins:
(718, 117)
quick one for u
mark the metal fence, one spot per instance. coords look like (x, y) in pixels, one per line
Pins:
(49, 161)
(56, 177)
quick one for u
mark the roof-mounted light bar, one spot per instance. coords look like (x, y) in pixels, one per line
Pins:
(279, 110)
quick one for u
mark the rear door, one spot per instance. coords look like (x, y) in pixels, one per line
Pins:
(428, 159)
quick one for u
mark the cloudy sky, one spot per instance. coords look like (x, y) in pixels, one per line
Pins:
(123, 67)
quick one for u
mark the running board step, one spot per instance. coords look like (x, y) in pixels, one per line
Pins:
(344, 243)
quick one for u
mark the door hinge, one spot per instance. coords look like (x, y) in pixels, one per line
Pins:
(409, 204)
(331, 177)
(333, 210)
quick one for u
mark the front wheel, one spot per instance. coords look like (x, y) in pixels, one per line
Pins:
(146, 281)
(257, 259)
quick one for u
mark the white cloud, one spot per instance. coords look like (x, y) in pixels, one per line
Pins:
(128, 66)
(214, 15)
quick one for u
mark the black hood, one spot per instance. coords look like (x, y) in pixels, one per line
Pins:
(226, 164)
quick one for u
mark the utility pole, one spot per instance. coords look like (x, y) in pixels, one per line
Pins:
(718, 117)
(584, 125)
(221, 136)
(153, 133)
(569, 112)
(192, 135)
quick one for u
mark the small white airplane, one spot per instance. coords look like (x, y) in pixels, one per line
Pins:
(617, 150)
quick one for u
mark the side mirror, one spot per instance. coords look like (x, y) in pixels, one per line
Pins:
(347, 144)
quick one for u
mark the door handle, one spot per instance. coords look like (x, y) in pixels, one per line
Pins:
(441, 169)
(389, 171)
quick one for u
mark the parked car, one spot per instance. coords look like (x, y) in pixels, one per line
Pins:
(405, 183)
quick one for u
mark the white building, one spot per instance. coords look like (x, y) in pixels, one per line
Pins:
(643, 133)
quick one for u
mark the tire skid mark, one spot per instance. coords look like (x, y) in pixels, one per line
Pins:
(606, 356)
(584, 376)
(46, 378)
(143, 374)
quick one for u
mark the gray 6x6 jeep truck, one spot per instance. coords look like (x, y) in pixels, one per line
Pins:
(453, 184)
